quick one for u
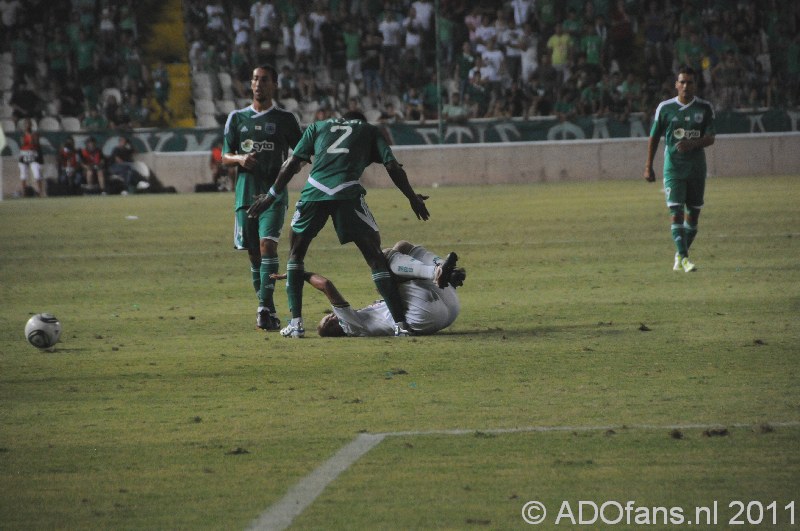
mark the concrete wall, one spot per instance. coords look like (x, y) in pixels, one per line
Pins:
(579, 160)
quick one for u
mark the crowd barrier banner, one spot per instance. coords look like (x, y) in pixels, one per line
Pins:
(415, 134)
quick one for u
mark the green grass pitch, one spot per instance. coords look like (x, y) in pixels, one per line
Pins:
(581, 367)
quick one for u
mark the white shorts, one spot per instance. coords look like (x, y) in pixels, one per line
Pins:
(428, 307)
(34, 165)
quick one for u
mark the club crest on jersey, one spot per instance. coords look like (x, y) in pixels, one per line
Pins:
(698, 117)
(248, 146)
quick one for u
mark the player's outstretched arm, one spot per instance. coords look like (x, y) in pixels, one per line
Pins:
(262, 202)
(326, 287)
(322, 284)
(400, 180)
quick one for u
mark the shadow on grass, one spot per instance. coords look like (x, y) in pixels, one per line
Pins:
(570, 329)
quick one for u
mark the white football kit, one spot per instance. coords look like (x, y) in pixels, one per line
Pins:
(429, 308)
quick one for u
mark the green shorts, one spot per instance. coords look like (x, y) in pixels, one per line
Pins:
(351, 218)
(689, 192)
(248, 232)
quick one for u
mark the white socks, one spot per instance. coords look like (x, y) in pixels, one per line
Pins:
(405, 266)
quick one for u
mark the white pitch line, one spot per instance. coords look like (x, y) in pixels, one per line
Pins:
(281, 514)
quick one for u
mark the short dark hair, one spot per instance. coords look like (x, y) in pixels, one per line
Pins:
(354, 115)
(687, 70)
(329, 326)
(272, 72)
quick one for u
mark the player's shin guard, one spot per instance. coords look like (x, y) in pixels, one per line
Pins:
(294, 287)
(678, 231)
(388, 290)
(269, 266)
(690, 225)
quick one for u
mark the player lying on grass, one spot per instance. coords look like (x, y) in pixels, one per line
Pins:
(427, 285)
(341, 149)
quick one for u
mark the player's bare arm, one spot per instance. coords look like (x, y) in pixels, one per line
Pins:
(400, 180)
(247, 162)
(652, 146)
(322, 284)
(288, 170)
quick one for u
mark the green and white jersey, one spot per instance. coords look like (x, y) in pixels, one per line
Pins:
(270, 134)
(676, 121)
(342, 149)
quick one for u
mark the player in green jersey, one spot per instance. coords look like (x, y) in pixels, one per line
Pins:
(342, 148)
(687, 124)
(256, 141)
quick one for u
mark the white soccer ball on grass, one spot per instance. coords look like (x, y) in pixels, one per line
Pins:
(43, 330)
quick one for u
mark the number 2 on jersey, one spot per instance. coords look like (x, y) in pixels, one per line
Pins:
(334, 148)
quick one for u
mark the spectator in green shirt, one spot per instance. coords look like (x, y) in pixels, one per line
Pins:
(58, 56)
(93, 120)
(352, 43)
(85, 58)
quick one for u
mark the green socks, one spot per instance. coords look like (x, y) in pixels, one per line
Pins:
(294, 286)
(678, 231)
(690, 225)
(269, 266)
(391, 295)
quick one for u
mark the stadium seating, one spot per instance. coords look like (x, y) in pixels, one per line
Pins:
(111, 91)
(202, 88)
(21, 125)
(309, 106)
(6, 70)
(226, 85)
(290, 104)
(49, 124)
(372, 115)
(225, 107)
(204, 106)
(207, 120)
(306, 117)
(149, 50)
(70, 124)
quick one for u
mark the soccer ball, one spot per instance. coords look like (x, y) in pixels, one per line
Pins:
(43, 330)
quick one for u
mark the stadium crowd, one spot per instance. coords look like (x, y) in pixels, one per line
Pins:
(79, 59)
(81, 62)
(513, 58)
